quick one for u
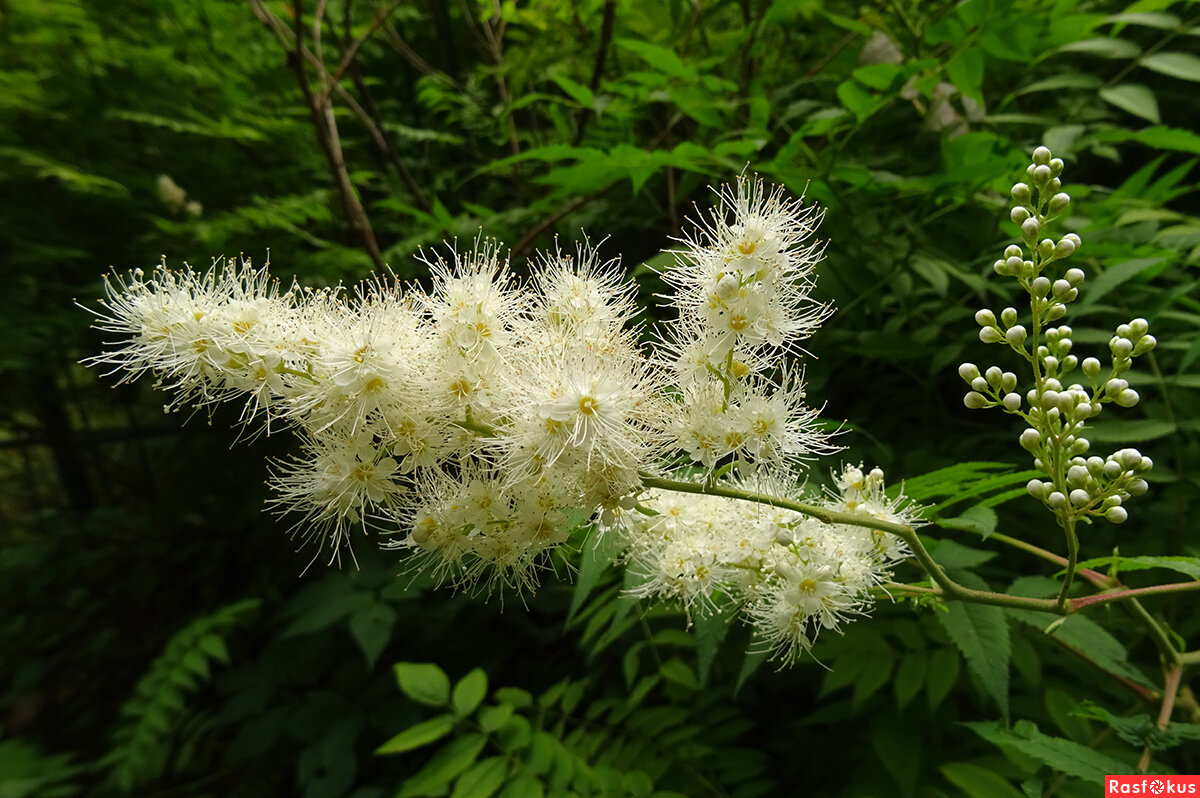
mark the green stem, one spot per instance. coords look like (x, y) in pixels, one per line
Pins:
(1068, 525)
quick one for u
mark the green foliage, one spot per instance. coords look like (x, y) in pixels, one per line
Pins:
(569, 740)
(141, 748)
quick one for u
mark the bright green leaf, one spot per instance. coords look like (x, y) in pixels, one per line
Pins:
(469, 692)
(423, 682)
(423, 733)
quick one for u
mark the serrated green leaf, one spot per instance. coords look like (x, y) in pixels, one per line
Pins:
(469, 692)
(1130, 430)
(423, 682)
(1184, 66)
(444, 767)
(1059, 754)
(416, 736)
(910, 677)
(1135, 99)
(680, 673)
(980, 632)
(1112, 278)
(1184, 565)
(978, 782)
(1103, 47)
(979, 519)
(483, 779)
(371, 628)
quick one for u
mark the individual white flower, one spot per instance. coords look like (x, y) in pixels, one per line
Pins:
(338, 483)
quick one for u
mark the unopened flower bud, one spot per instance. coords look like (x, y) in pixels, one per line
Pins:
(1145, 464)
(1030, 229)
(1116, 514)
(1040, 286)
(1051, 363)
(1139, 327)
(1074, 277)
(1008, 381)
(993, 375)
(1121, 347)
(989, 335)
(1080, 446)
(1037, 489)
(1012, 402)
(1077, 475)
(1137, 487)
(1057, 311)
(1083, 410)
(1014, 251)
(1145, 344)
(1056, 500)
(1041, 155)
(985, 318)
(1018, 214)
(1124, 331)
(1128, 458)
(1059, 203)
(1080, 497)
(1030, 438)
(1022, 193)
(1069, 362)
(1014, 265)
(1008, 316)
(968, 371)
(1041, 174)
(975, 400)
(1015, 335)
(1127, 398)
(1115, 386)
(1056, 166)
(1061, 288)
(979, 384)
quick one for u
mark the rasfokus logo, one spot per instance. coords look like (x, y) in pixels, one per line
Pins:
(1151, 785)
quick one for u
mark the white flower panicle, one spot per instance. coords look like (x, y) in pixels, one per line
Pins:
(480, 421)
(790, 575)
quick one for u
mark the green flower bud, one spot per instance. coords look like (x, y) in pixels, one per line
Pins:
(1042, 175)
(1012, 402)
(1040, 286)
(1121, 347)
(1080, 497)
(1041, 155)
(1008, 316)
(975, 400)
(1037, 489)
(1127, 398)
(1059, 203)
(1030, 229)
(985, 318)
(1056, 500)
(1074, 276)
(1139, 327)
(1019, 214)
(1056, 166)
(993, 375)
(1137, 487)
(1145, 344)
(1015, 335)
(1008, 381)
(1030, 438)
(1055, 312)
(968, 371)
(979, 384)
(989, 335)
(1116, 514)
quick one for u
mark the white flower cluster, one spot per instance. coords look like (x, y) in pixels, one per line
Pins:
(480, 421)
(1057, 415)
(790, 575)
(742, 283)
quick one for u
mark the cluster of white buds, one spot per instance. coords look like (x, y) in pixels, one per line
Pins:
(790, 575)
(480, 422)
(1056, 415)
